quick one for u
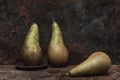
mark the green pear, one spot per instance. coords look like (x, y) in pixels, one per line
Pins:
(31, 52)
(57, 52)
(96, 64)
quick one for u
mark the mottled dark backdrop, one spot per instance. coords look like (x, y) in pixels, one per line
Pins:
(87, 26)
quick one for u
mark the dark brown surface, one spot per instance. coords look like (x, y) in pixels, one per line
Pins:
(8, 72)
(87, 26)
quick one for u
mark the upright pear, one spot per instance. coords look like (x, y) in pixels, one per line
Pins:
(31, 52)
(57, 52)
(96, 64)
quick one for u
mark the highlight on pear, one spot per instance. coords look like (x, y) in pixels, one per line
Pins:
(57, 51)
(31, 52)
(96, 64)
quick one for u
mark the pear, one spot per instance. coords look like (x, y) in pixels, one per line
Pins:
(96, 64)
(31, 52)
(57, 51)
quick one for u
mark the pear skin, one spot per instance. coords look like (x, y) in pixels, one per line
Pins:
(31, 52)
(57, 52)
(96, 64)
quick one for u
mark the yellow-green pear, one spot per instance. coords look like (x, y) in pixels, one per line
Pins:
(96, 64)
(31, 52)
(57, 51)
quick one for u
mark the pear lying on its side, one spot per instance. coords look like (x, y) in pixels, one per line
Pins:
(96, 64)
(31, 52)
(57, 52)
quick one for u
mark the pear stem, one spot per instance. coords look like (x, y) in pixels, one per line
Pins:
(53, 19)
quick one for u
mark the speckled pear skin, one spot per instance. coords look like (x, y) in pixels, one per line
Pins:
(57, 52)
(31, 52)
(96, 64)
